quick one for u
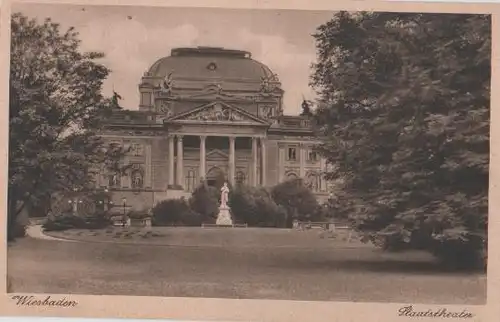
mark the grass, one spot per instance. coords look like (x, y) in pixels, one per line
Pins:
(235, 263)
(217, 237)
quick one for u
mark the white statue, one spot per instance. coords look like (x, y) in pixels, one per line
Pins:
(224, 195)
(224, 216)
(166, 85)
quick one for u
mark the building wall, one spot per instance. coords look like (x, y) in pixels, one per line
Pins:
(154, 161)
(160, 163)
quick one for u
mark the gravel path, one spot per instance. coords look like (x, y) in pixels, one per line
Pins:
(36, 232)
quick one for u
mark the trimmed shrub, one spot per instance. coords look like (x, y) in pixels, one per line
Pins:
(205, 201)
(169, 212)
(255, 207)
(191, 218)
(70, 221)
(64, 222)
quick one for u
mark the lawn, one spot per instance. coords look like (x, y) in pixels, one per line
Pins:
(236, 263)
(216, 237)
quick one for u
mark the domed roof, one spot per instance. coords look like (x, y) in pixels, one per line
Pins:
(210, 62)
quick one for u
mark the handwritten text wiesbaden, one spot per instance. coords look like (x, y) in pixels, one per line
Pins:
(26, 300)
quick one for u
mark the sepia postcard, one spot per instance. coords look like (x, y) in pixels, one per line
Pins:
(250, 161)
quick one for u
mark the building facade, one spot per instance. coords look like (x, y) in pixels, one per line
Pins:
(207, 112)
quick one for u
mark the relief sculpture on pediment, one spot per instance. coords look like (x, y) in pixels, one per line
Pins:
(266, 111)
(217, 113)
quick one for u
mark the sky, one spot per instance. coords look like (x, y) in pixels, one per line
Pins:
(133, 38)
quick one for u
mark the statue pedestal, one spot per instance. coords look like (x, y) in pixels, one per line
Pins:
(224, 217)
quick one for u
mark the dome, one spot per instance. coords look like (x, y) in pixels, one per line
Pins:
(210, 62)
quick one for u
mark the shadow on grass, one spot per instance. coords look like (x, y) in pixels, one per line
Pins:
(404, 267)
(377, 263)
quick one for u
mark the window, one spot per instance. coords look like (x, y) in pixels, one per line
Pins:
(240, 177)
(291, 176)
(114, 180)
(312, 156)
(136, 149)
(137, 180)
(292, 154)
(190, 180)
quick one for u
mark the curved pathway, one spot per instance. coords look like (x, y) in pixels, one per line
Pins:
(36, 232)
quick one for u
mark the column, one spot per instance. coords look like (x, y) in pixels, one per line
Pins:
(203, 153)
(147, 176)
(302, 160)
(254, 161)
(180, 161)
(263, 166)
(171, 174)
(232, 160)
(281, 162)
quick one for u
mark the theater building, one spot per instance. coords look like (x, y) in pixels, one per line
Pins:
(207, 112)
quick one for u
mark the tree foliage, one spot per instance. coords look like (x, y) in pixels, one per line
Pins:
(175, 212)
(56, 107)
(298, 200)
(255, 207)
(205, 201)
(405, 116)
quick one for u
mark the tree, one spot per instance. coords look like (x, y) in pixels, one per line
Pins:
(255, 207)
(405, 118)
(298, 200)
(56, 109)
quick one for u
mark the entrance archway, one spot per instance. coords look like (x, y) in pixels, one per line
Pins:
(215, 176)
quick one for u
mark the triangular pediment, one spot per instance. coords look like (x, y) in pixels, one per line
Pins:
(217, 154)
(218, 112)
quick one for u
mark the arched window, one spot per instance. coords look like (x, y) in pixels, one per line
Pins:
(291, 175)
(190, 180)
(137, 179)
(240, 177)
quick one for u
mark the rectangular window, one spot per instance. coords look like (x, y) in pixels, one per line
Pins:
(292, 154)
(312, 156)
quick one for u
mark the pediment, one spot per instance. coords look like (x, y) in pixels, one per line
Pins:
(217, 154)
(219, 112)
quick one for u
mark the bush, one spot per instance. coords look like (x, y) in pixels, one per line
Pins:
(205, 201)
(255, 207)
(170, 212)
(191, 218)
(64, 222)
(70, 221)
(97, 222)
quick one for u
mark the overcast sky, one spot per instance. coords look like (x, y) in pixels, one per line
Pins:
(133, 38)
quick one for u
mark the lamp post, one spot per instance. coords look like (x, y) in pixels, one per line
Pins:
(124, 202)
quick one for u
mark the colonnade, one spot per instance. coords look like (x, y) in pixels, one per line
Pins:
(176, 164)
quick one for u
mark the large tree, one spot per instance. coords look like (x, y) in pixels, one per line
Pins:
(297, 199)
(56, 108)
(404, 110)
